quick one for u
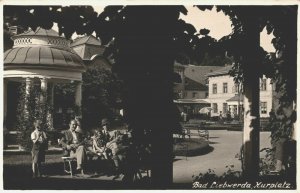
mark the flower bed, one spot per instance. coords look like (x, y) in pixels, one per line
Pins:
(190, 147)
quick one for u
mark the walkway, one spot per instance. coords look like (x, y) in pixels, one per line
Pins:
(225, 144)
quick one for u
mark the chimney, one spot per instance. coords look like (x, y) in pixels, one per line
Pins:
(16, 30)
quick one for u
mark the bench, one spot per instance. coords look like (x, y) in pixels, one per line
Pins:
(202, 133)
(68, 164)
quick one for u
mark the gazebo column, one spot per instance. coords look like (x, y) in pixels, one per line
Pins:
(44, 84)
(78, 96)
(231, 109)
(27, 94)
(50, 113)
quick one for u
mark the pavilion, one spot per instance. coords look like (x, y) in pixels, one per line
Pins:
(41, 57)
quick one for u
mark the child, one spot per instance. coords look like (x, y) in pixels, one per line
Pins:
(99, 145)
(39, 140)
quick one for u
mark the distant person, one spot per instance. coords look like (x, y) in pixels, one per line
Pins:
(228, 116)
(39, 139)
(221, 116)
(72, 144)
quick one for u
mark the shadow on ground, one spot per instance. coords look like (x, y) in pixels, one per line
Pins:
(213, 137)
(212, 142)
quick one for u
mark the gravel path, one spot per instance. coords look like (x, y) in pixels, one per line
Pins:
(225, 145)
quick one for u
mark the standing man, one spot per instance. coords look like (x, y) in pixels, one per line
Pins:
(39, 139)
(72, 145)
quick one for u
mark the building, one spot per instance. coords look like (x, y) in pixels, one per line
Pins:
(226, 97)
(196, 83)
(191, 90)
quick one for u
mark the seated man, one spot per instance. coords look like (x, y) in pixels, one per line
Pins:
(118, 147)
(72, 145)
(104, 133)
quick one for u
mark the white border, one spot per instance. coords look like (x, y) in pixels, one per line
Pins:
(147, 2)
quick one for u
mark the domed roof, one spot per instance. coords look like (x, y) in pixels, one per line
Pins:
(41, 56)
(42, 49)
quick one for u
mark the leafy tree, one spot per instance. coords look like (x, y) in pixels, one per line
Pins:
(101, 96)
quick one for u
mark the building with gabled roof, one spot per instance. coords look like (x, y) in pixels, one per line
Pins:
(198, 73)
(225, 96)
(192, 90)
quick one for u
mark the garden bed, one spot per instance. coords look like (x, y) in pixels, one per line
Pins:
(191, 147)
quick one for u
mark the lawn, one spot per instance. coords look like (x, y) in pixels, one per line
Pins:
(17, 170)
(25, 159)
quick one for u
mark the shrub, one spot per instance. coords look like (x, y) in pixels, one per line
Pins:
(230, 176)
(29, 109)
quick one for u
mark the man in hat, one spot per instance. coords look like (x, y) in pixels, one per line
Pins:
(72, 144)
(105, 135)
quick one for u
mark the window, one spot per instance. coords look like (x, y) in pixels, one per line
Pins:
(184, 94)
(263, 107)
(263, 85)
(225, 87)
(215, 107)
(225, 108)
(194, 94)
(214, 88)
(235, 88)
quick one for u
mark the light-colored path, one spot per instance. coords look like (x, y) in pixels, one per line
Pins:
(226, 144)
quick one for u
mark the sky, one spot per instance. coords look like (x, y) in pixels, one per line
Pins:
(218, 24)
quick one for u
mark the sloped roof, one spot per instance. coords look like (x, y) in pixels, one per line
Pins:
(190, 101)
(39, 32)
(194, 85)
(223, 71)
(198, 73)
(236, 98)
(179, 66)
(90, 40)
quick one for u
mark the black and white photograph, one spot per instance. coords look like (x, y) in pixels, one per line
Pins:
(149, 96)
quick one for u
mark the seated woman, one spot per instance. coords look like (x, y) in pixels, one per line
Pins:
(99, 145)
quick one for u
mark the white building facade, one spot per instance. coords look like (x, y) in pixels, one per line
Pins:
(226, 97)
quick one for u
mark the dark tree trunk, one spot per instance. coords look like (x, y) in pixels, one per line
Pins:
(251, 98)
(146, 58)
